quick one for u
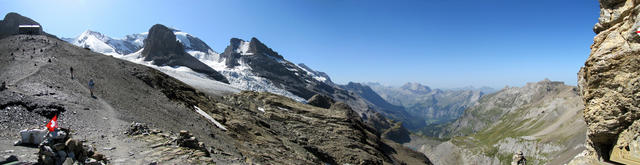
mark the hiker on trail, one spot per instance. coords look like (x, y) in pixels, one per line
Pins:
(71, 70)
(91, 84)
(518, 159)
(3, 86)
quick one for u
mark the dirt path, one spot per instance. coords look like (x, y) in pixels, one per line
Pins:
(119, 148)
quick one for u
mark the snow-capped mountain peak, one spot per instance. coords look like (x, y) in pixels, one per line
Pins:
(101, 43)
(247, 65)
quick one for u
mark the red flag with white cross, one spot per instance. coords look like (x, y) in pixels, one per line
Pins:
(53, 123)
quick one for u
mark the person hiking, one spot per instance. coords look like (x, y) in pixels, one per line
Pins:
(3, 86)
(91, 84)
(71, 70)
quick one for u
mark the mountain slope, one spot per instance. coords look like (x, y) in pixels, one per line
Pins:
(543, 120)
(492, 107)
(261, 128)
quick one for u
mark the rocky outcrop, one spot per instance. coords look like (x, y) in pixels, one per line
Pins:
(609, 81)
(276, 129)
(397, 133)
(162, 48)
(320, 100)
(9, 25)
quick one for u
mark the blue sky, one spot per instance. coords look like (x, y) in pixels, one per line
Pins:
(445, 44)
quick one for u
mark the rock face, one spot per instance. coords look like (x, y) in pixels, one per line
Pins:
(609, 81)
(268, 64)
(162, 48)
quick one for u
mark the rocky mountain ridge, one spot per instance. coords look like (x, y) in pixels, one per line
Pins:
(251, 65)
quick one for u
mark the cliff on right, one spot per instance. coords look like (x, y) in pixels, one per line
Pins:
(609, 84)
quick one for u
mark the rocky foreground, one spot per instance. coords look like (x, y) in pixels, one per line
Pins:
(249, 127)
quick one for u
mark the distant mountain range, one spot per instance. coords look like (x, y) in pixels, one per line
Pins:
(430, 106)
(541, 119)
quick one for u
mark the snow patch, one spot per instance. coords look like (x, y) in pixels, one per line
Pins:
(182, 38)
(241, 76)
(201, 112)
(284, 109)
(184, 74)
(261, 109)
(243, 48)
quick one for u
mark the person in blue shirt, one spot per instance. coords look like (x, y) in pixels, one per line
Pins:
(91, 84)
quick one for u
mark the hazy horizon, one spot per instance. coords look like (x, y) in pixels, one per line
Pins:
(438, 44)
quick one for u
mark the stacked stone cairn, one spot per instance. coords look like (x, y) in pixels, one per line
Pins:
(187, 140)
(59, 148)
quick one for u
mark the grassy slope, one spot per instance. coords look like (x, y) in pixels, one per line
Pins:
(512, 125)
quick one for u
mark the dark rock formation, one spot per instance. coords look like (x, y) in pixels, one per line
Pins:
(320, 100)
(163, 49)
(9, 25)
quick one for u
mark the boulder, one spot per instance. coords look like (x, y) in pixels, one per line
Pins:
(32, 136)
(320, 100)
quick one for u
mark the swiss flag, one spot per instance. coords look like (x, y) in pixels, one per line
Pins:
(53, 123)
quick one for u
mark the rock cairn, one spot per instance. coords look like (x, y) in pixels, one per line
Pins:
(59, 148)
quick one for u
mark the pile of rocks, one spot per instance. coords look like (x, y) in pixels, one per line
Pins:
(137, 129)
(186, 139)
(59, 148)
